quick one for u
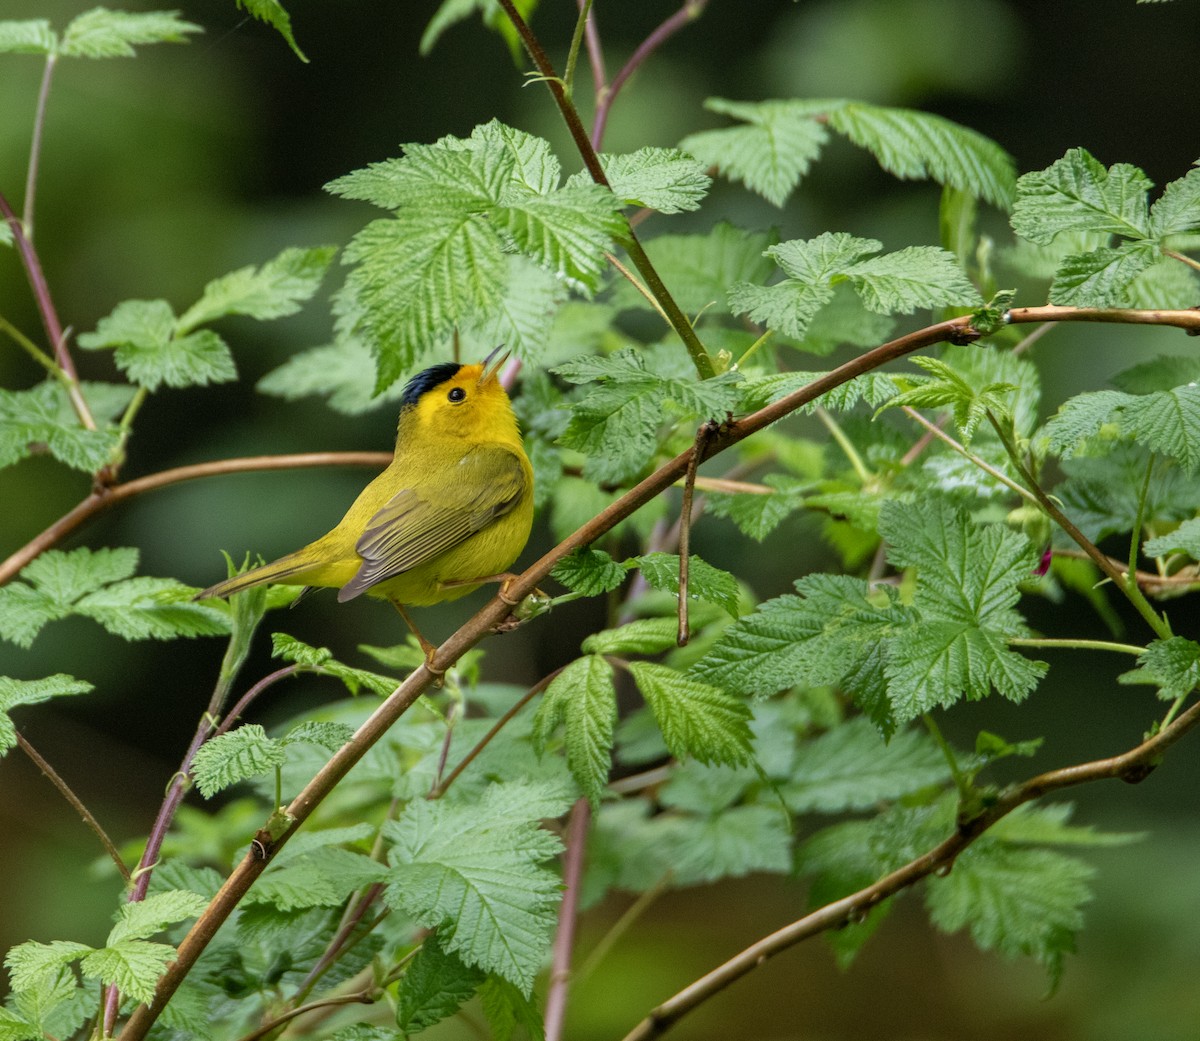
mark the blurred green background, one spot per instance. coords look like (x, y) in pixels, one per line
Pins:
(161, 173)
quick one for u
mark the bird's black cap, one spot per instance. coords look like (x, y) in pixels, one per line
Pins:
(427, 380)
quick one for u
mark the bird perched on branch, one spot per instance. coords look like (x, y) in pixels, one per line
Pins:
(452, 510)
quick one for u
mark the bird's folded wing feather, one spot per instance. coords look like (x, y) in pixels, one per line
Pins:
(410, 529)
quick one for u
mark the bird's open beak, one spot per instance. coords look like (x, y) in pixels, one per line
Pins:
(492, 363)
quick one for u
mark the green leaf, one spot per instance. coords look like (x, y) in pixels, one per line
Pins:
(150, 353)
(321, 659)
(31, 36)
(643, 636)
(524, 316)
(1185, 539)
(738, 841)
(325, 733)
(152, 914)
(662, 179)
(589, 571)
(616, 424)
(1103, 277)
(770, 152)
(32, 964)
(31, 692)
(1163, 372)
(1079, 418)
(100, 33)
(55, 1006)
(474, 873)
(273, 13)
(243, 752)
(133, 966)
(461, 207)
(850, 768)
(700, 268)
(1168, 423)
(912, 278)
(1013, 901)
(434, 987)
(1178, 208)
(1172, 665)
(96, 585)
(505, 1008)
(834, 633)
(705, 582)
(758, 514)
(919, 145)
(41, 416)
(1076, 194)
(583, 698)
(697, 721)
(12, 1026)
(276, 289)
(343, 373)
(970, 400)
(874, 388)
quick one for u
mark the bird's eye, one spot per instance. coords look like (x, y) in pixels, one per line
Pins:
(457, 394)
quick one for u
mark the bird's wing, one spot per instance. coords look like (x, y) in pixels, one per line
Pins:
(410, 529)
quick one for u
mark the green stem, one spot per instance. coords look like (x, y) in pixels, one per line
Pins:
(1183, 257)
(844, 443)
(35, 145)
(752, 349)
(131, 410)
(683, 328)
(576, 42)
(1135, 536)
(33, 350)
(1131, 591)
(961, 782)
(1079, 645)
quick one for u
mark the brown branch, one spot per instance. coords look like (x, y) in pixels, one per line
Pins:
(77, 805)
(955, 330)
(1188, 320)
(101, 499)
(1131, 766)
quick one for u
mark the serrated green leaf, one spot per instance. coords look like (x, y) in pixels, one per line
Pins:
(35, 417)
(12, 1026)
(834, 632)
(662, 179)
(643, 636)
(30, 36)
(274, 290)
(850, 768)
(326, 733)
(758, 514)
(970, 401)
(770, 152)
(243, 752)
(1013, 901)
(874, 388)
(1165, 285)
(1178, 208)
(1102, 278)
(912, 278)
(133, 966)
(1172, 665)
(433, 988)
(705, 582)
(505, 1008)
(736, 842)
(56, 1006)
(31, 964)
(1077, 194)
(1079, 418)
(698, 721)
(100, 33)
(583, 698)
(272, 12)
(321, 659)
(589, 571)
(1048, 825)
(474, 873)
(1185, 538)
(30, 692)
(1164, 372)
(152, 914)
(918, 145)
(343, 373)
(1168, 423)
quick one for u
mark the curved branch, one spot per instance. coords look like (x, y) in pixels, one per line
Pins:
(1132, 766)
(101, 499)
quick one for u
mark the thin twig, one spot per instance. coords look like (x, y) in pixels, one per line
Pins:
(1131, 766)
(77, 805)
(568, 914)
(103, 498)
(688, 13)
(35, 145)
(271, 1025)
(707, 429)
